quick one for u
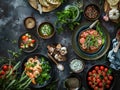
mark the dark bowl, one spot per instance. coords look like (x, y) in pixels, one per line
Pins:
(87, 56)
(31, 49)
(29, 20)
(52, 30)
(88, 51)
(92, 68)
(97, 11)
(38, 86)
(73, 75)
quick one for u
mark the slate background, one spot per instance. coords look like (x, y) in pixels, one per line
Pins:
(12, 14)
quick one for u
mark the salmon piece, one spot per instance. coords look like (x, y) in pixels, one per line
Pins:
(82, 40)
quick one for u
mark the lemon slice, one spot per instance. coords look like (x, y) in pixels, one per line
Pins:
(113, 2)
(55, 2)
(44, 3)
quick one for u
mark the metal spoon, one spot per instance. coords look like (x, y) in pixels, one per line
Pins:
(59, 66)
(93, 24)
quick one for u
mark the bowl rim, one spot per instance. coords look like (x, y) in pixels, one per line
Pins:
(48, 37)
(97, 8)
(33, 19)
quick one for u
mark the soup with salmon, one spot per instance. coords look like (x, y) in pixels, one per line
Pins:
(90, 41)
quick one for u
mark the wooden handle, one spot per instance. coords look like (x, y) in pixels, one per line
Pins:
(52, 59)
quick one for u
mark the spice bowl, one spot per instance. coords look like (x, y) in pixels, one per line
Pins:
(29, 23)
(46, 30)
(77, 65)
(92, 12)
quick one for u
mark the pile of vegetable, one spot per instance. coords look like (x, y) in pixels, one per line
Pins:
(69, 16)
(38, 70)
(9, 79)
(100, 77)
(27, 41)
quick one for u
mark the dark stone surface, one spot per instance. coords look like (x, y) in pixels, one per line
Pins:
(12, 14)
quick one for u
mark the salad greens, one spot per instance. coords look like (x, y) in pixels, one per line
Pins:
(68, 17)
(45, 74)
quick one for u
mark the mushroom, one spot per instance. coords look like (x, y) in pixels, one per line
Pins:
(63, 51)
(50, 49)
(58, 47)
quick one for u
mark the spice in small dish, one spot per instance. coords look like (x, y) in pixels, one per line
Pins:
(92, 12)
(29, 22)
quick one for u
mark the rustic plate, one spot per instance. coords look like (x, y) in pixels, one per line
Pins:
(51, 7)
(87, 56)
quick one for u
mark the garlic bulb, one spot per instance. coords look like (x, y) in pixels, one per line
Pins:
(114, 14)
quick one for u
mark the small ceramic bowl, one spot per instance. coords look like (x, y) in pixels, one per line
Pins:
(92, 12)
(28, 44)
(77, 65)
(46, 30)
(72, 82)
(30, 23)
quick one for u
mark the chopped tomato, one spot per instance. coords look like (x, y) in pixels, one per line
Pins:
(101, 67)
(24, 37)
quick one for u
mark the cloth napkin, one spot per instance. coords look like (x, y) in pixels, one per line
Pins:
(114, 57)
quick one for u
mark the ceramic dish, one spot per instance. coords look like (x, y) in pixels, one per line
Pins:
(92, 12)
(48, 8)
(100, 77)
(72, 82)
(45, 30)
(30, 23)
(87, 56)
(24, 40)
(45, 70)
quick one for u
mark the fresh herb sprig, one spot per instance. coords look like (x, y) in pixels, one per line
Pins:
(67, 17)
(99, 29)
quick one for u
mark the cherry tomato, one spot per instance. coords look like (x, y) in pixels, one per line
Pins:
(100, 84)
(110, 77)
(96, 88)
(96, 68)
(99, 71)
(33, 41)
(90, 73)
(89, 78)
(93, 71)
(108, 82)
(2, 72)
(101, 89)
(105, 78)
(24, 37)
(106, 69)
(104, 73)
(98, 80)
(5, 67)
(102, 67)
(90, 83)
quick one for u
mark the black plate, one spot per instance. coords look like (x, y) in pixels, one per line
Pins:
(51, 71)
(112, 83)
(31, 49)
(81, 53)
